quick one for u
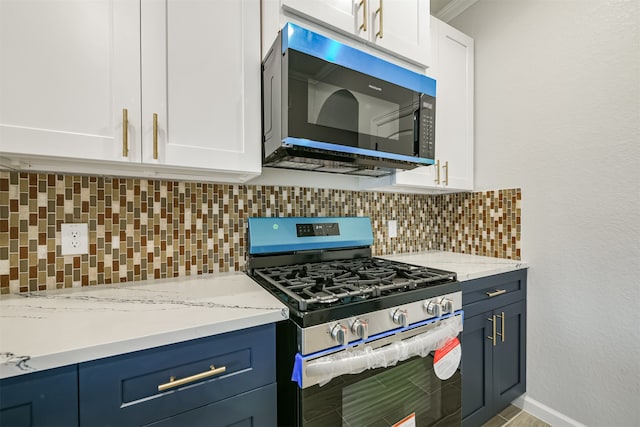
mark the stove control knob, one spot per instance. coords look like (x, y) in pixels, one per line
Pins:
(433, 308)
(401, 318)
(339, 333)
(447, 305)
(361, 329)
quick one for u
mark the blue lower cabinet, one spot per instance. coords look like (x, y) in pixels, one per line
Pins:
(493, 345)
(183, 383)
(48, 398)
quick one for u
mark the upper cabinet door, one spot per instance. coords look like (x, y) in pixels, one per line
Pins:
(401, 27)
(454, 113)
(201, 77)
(67, 71)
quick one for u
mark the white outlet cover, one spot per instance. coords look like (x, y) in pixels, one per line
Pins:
(393, 228)
(74, 239)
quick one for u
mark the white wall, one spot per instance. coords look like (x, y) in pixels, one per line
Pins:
(558, 114)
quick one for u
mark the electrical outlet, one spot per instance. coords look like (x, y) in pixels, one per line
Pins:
(393, 228)
(74, 239)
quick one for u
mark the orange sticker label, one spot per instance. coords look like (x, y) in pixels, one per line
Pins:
(447, 359)
(408, 421)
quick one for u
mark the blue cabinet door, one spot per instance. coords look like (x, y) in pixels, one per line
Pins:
(48, 398)
(477, 370)
(509, 355)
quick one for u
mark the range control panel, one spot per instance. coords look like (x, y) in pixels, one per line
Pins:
(318, 229)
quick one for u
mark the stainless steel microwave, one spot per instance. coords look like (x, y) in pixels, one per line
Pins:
(329, 107)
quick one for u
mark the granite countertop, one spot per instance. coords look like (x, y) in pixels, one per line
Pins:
(43, 330)
(467, 267)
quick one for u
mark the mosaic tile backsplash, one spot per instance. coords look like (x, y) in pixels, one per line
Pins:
(141, 229)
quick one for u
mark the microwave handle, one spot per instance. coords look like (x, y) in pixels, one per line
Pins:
(416, 132)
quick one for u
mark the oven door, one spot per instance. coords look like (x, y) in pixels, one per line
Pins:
(414, 391)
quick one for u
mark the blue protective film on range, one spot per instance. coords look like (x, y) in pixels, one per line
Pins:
(278, 235)
(296, 374)
(305, 41)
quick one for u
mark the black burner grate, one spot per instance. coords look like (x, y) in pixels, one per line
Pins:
(343, 282)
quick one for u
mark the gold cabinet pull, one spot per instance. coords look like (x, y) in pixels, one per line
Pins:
(379, 11)
(437, 180)
(155, 136)
(125, 133)
(496, 293)
(493, 338)
(446, 173)
(363, 5)
(502, 330)
(177, 383)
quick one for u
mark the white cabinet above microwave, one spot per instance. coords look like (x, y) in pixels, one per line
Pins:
(399, 28)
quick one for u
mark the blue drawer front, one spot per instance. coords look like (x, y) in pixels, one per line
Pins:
(123, 390)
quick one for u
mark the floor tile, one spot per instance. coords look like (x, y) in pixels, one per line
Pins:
(496, 421)
(525, 419)
(510, 412)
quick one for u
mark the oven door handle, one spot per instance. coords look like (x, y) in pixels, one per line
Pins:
(323, 369)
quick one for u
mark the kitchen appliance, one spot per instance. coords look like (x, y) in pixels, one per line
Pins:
(328, 107)
(358, 348)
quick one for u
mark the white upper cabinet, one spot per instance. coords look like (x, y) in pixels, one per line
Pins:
(201, 78)
(453, 71)
(187, 72)
(67, 72)
(397, 27)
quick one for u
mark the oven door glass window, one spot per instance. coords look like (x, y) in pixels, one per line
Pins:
(331, 103)
(385, 396)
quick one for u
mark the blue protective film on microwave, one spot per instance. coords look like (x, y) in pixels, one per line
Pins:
(305, 41)
(277, 235)
(302, 142)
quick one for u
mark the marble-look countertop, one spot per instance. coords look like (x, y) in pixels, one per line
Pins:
(467, 267)
(44, 330)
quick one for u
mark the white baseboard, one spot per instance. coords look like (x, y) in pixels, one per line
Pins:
(545, 413)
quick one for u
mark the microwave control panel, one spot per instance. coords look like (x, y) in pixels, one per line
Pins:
(427, 127)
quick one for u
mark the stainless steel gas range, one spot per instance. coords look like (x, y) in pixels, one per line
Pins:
(369, 342)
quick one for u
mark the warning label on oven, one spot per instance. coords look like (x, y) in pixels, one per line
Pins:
(447, 359)
(408, 421)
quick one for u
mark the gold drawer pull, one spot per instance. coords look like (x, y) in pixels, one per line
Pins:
(177, 383)
(496, 293)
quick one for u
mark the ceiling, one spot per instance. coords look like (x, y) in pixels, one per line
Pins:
(446, 10)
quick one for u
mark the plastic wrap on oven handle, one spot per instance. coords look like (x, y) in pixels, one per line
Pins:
(328, 367)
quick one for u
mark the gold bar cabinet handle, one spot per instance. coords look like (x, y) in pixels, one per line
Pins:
(502, 330)
(379, 11)
(155, 136)
(177, 383)
(125, 133)
(437, 180)
(363, 5)
(446, 173)
(493, 338)
(496, 293)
